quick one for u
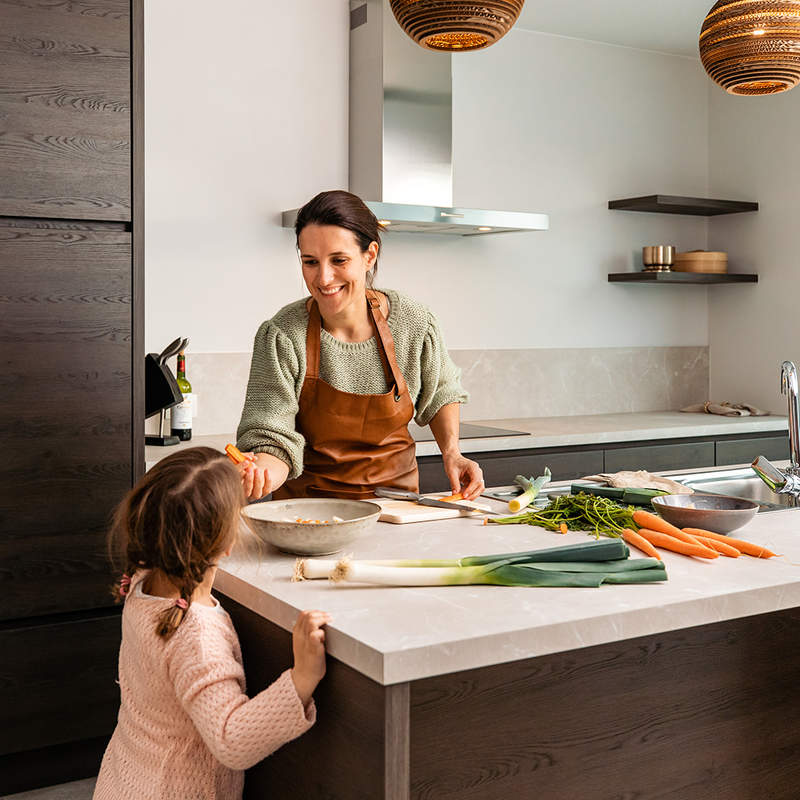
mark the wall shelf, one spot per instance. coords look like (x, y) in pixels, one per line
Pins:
(670, 204)
(682, 277)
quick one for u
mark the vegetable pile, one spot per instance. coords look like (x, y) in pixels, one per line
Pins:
(579, 565)
(638, 527)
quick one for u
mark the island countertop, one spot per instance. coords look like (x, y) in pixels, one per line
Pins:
(393, 635)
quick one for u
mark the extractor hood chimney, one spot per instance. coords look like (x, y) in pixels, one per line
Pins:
(401, 138)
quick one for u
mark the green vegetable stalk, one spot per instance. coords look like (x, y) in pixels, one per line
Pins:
(532, 488)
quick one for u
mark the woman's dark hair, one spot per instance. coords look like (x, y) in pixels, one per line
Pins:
(344, 210)
(179, 518)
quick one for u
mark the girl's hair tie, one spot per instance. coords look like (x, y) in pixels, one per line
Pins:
(124, 585)
(181, 603)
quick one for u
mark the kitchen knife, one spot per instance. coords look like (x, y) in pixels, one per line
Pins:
(403, 494)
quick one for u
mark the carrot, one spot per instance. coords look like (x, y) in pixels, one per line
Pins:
(677, 545)
(748, 548)
(563, 527)
(644, 519)
(720, 547)
(631, 537)
(451, 498)
(234, 453)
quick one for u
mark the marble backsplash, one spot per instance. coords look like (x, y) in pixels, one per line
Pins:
(503, 384)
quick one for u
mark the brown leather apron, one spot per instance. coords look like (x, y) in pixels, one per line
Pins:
(354, 442)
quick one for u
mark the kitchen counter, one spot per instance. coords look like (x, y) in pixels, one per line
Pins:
(566, 431)
(680, 689)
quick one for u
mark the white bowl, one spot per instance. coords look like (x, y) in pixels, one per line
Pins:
(274, 522)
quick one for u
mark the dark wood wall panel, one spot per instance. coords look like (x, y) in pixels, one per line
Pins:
(65, 100)
(65, 421)
(706, 712)
(58, 681)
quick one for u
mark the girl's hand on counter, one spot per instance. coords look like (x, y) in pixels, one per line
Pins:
(465, 475)
(308, 645)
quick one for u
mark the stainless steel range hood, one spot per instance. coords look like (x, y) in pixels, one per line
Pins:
(401, 139)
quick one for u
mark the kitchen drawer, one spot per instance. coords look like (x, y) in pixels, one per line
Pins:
(743, 451)
(58, 680)
(500, 467)
(654, 457)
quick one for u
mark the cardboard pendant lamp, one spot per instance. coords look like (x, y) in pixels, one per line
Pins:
(752, 47)
(456, 26)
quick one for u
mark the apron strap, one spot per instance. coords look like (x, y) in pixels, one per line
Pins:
(313, 332)
(388, 354)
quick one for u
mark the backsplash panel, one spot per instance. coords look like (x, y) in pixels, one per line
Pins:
(503, 384)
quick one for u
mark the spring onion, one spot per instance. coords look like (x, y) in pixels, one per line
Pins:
(531, 487)
(503, 573)
(607, 550)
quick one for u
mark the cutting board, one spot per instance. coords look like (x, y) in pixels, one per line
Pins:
(399, 512)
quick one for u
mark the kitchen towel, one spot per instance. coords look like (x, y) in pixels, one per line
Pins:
(726, 409)
(640, 479)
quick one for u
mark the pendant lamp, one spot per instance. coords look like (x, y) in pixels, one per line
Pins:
(456, 25)
(752, 47)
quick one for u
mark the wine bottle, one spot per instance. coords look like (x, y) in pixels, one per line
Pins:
(181, 414)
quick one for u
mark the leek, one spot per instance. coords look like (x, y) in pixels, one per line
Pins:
(502, 573)
(604, 550)
(531, 488)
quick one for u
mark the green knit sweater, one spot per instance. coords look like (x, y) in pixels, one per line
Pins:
(278, 369)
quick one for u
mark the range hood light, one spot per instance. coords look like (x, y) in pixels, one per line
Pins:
(484, 229)
(384, 222)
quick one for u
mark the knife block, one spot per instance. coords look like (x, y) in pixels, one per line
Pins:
(161, 392)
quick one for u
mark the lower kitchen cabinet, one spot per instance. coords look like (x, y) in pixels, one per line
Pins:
(567, 463)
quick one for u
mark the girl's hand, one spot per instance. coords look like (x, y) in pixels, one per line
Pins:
(255, 478)
(465, 475)
(308, 644)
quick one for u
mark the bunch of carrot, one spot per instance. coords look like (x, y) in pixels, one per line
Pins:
(657, 532)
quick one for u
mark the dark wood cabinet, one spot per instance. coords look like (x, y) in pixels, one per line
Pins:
(65, 106)
(742, 451)
(71, 347)
(657, 457)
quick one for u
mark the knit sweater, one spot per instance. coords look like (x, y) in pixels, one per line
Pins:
(186, 729)
(278, 369)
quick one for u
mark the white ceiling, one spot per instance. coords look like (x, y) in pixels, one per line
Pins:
(669, 26)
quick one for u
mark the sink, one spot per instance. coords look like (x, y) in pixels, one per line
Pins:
(738, 483)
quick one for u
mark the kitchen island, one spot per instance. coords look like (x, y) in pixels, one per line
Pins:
(684, 689)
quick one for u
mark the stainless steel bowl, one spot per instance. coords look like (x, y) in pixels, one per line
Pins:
(712, 512)
(275, 522)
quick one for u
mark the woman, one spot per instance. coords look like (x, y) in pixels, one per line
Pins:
(336, 378)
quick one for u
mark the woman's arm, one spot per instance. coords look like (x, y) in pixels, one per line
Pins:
(465, 475)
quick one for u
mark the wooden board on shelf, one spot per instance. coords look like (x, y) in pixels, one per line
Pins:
(682, 277)
(670, 204)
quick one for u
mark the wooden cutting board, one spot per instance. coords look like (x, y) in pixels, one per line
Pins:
(399, 512)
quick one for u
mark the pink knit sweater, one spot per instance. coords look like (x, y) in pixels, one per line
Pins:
(186, 730)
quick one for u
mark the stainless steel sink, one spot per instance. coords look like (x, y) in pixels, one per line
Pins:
(738, 483)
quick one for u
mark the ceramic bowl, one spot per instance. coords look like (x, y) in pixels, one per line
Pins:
(275, 523)
(713, 512)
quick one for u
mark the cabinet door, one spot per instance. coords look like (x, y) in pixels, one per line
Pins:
(65, 124)
(655, 457)
(744, 451)
(65, 416)
(58, 682)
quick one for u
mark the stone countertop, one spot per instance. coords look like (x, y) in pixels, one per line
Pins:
(401, 634)
(565, 431)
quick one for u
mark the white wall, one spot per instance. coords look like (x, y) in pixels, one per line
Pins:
(245, 118)
(752, 144)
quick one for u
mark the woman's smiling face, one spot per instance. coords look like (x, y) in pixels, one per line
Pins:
(334, 268)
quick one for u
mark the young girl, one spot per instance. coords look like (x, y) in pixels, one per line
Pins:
(186, 729)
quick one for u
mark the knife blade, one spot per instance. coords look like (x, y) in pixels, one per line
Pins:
(404, 494)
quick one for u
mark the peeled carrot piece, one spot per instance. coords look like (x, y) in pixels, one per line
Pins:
(234, 454)
(451, 498)
(677, 545)
(638, 541)
(748, 548)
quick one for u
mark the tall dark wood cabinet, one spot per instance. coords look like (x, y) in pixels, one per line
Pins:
(71, 384)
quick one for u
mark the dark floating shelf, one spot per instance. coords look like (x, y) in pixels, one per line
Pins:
(681, 277)
(669, 204)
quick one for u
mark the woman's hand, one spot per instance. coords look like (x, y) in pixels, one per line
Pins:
(308, 644)
(465, 475)
(261, 473)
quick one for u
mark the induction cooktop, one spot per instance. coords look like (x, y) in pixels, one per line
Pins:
(466, 431)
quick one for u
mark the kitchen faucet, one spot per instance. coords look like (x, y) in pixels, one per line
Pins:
(785, 481)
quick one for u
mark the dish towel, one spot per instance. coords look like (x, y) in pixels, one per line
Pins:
(640, 479)
(726, 409)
